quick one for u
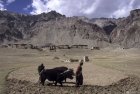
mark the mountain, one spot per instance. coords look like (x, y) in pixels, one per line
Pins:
(127, 32)
(69, 31)
(108, 24)
(49, 28)
(17, 27)
(54, 28)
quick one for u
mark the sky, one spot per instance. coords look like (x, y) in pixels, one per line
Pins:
(87, 8)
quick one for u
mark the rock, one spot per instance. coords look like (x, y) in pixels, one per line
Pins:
(85, 58)
(74, 60)
(67, 61)
(56, 57)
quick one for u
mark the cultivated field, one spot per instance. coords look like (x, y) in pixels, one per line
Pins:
(110, 71)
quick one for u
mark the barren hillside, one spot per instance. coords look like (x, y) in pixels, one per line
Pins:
(58, 29)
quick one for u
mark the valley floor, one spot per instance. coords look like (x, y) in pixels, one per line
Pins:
(109, 70)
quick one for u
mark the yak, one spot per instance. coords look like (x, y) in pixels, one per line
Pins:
(62, 76)
(51, 74)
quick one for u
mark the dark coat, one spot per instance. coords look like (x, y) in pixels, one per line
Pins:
(79, 76)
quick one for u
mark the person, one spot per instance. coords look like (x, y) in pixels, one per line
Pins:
(79, 75)
(40, 69)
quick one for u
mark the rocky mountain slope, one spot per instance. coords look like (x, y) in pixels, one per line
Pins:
(57, 29)
(69, 31)
(16, 27)
(127, 32)
(49, 28)
(108, 24)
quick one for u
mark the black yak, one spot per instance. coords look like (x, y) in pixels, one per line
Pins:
(62, 76)
(51, 74)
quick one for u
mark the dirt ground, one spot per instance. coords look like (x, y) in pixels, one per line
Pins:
(93, 74)
(130, 85)
(109, 71)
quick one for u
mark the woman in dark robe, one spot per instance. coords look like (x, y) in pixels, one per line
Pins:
(79, 75)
